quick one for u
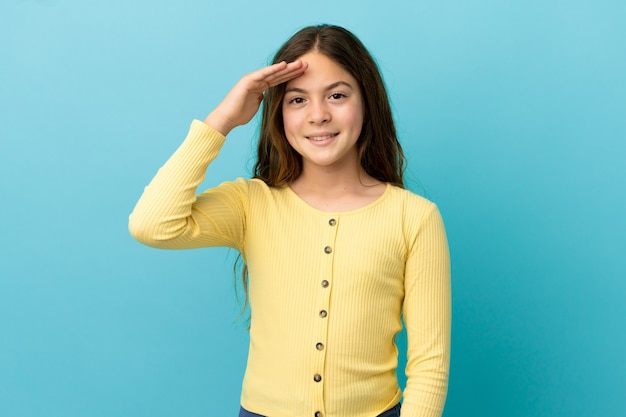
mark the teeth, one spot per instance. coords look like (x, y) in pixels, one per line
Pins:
(320, 138)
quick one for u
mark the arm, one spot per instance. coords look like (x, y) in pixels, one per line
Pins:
(427, 317)
(169, 214)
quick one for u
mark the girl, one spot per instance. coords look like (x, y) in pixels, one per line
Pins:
(336, 251)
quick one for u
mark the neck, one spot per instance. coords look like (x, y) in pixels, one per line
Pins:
(331, 190)
(329, 180)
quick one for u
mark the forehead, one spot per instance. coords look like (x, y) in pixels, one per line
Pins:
(322, 71)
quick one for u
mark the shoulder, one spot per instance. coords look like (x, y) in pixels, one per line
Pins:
(256, 192)
(416, 212)
(409, 201)
(253, 187)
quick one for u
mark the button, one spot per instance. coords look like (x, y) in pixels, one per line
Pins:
(323, 313)
(318, 414)
(317, 378)
(319, 346)
(324, 284)
(328, 249)
(332, 222)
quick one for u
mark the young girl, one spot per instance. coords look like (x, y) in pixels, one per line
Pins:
(336, 251)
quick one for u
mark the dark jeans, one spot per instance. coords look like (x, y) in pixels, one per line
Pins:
(392, 412)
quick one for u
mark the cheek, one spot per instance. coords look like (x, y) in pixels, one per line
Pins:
(289, 135)
(288, 128)
(288, 122)
(353, 117)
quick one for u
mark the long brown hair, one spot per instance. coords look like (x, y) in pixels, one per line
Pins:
(380, 152)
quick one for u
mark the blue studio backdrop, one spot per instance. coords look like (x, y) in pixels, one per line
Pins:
(513, 118)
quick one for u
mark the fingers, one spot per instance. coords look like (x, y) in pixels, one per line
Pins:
(278, 73)
(293, 70)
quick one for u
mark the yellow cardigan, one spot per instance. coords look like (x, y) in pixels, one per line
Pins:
(327, 290)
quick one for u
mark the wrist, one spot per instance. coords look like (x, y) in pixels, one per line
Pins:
(219, 123)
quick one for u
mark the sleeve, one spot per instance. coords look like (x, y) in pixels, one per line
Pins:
(169, 214)
(427, 317)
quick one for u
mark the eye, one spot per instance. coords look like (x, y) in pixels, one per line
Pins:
(296, 100)
(337, 96)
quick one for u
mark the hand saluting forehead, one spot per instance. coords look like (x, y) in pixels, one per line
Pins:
(278, 73)
(243, 101)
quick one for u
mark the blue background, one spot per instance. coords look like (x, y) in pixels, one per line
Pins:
(513, 116)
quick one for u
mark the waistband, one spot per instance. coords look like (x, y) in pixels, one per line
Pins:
(392, 412)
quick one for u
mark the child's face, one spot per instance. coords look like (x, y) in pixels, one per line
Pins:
(323, 113)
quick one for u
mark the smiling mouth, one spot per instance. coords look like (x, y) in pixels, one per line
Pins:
(322, 137)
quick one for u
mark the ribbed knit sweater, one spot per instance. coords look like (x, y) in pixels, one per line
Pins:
(327, 290)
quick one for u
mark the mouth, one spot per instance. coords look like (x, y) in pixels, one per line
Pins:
(321, 137)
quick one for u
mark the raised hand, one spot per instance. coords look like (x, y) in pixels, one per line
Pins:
(244, 100)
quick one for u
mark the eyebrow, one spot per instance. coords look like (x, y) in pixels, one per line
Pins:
(330, 87)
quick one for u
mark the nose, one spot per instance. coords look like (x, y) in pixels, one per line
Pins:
(318, 112)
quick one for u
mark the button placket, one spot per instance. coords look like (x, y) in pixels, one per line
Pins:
(323, 297)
